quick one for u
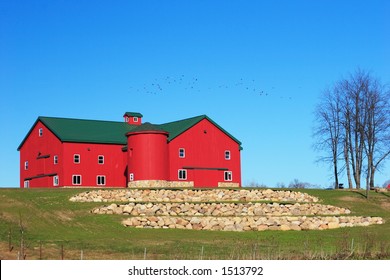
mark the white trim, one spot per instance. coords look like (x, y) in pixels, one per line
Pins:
(101, 177)
(26, 184)
(228, 155)
(131, 177)
(228, 176)
(40, 132)
(74, 158)
(135, 119)
(56, 180)
(182, 172)
(182, 151)
(26, 165)
(55, 159)
(99, 159)
(73, 179)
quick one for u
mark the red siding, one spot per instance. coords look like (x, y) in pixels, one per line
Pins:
(148, 155)
(114, 167)
(205, 146)
(48, 146)
(39, 151)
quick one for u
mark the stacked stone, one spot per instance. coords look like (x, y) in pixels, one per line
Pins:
(192, 195)
(250, 223)
(220, 209)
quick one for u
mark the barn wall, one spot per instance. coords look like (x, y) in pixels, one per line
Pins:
(114, 167)
(205, 146)
(39, 151)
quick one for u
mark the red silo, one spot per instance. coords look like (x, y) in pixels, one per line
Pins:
(147, 151)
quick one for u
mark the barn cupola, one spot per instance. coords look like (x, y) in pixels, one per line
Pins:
(133, 118)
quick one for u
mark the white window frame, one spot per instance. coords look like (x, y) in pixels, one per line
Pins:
(99, 178)
(131, 177)
(182, 153)
(40, 132)
(100, 158)
(73, 180)
(180, 174)
(26, 165)
(56, 180)
(228, 155)
(228, 176)
(26, 184)
(74, 158)
(135, 119)
(55, 159)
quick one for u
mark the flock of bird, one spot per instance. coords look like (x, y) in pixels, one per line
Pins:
(194, 85)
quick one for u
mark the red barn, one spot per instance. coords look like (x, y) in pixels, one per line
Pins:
(59, 152)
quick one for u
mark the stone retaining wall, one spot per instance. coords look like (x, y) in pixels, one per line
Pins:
(160, 184)
(192, 195)
(250, 223)
(220, 209)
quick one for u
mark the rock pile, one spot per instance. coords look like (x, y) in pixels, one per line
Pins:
(249, 223)
(192, 195)
(220, 209)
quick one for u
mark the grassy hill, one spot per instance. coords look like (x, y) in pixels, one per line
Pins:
(49, 226)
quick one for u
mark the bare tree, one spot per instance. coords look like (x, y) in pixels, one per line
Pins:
(377, 130)
(353, 120)
(328, 129)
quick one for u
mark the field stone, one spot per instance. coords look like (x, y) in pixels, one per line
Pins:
(333, 225)
(271, 216)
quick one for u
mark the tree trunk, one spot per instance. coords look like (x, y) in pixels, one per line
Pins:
(346, 157)
(336, 174)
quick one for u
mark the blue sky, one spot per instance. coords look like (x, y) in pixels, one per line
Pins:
(255, 67)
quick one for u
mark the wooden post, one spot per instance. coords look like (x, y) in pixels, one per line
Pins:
(40, 249)
(10, 247)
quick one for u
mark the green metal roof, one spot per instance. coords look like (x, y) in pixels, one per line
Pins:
(85, 131)
(148, 127)
(133, 114)
(110, 132)
(178, 127)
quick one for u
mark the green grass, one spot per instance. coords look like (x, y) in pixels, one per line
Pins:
(56, 228)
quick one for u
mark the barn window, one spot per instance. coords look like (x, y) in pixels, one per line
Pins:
(76, 179)
(182, 174)
(76, 158)
(100, 159)
(131, 177)
(26, 184)
(40, 132)
(228, 175)
(55, 159)
(135, 119)
(26, 165)
(227, 155)
(101, 180)
(56, 180)
(182, 153)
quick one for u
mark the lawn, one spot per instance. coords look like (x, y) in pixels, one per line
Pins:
(44, 224)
